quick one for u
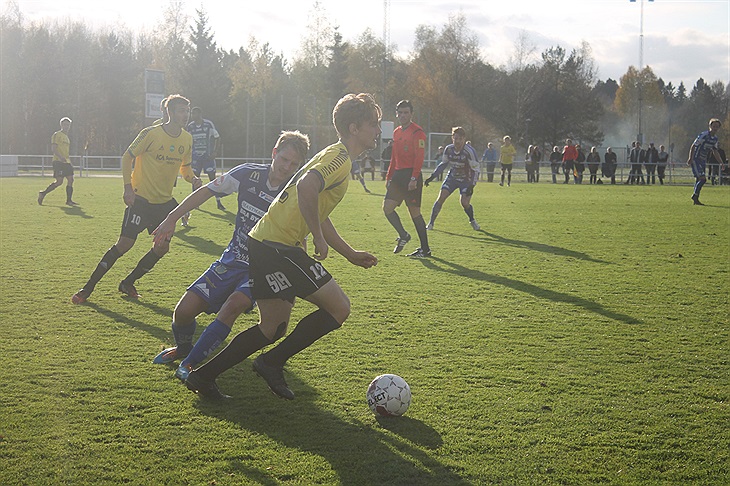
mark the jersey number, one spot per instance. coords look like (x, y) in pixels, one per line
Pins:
(136, 219)
(278, 282)
(318, 271)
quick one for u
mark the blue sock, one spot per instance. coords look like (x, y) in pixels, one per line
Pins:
(698, 186)
(184, 336)
(435, 212)
(209, 340)
(470, 212)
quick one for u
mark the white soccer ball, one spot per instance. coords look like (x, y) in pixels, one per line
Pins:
(389, 396)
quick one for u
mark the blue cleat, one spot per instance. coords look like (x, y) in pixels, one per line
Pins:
(167, 355)
(182, 372)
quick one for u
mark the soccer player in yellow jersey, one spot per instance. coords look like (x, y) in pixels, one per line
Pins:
(158, 153)
(282, 270)
(60, 144)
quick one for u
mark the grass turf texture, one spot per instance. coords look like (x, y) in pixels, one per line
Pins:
(580, 337)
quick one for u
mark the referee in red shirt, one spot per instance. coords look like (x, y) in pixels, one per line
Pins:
(404, 179)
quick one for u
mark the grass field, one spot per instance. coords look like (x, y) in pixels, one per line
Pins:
(581, 337)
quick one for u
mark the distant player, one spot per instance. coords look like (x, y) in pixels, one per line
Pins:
(705, 144)
(158, 153)
(463, 175)
(206, 144)
(60, 144)
(506, 158)
(225, 288)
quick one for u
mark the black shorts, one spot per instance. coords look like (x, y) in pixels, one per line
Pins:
(62, 169)
(284, 273)
(204, 165)
(398, 188)
(144, 215)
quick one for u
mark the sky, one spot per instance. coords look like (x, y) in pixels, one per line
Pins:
(683, 40)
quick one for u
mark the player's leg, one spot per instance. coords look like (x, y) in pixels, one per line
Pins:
(438, 204)
(57, 181)
(698, 168)
(70, 189)
(130, 228)
(393, 198)
(465, 200)
(413, 202)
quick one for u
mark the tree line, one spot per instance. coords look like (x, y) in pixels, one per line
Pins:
(95, 76)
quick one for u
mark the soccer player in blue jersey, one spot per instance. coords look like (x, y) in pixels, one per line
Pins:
(462, 175)
(225, 287)
(705, 144)
(282, 270)
(206, 143)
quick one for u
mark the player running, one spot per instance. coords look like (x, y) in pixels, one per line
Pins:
(463, 175)
(225, 288)
(158, 153)
(705, 143)
(206, 143)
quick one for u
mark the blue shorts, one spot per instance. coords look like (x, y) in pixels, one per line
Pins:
(206, 165)
(466, 188)
(219, 282)
(698, 168)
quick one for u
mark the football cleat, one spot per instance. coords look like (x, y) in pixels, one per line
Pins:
(401, 242)
(475, 225)
(696, 200)
(221, 206)
(167, 355)
(420, 253)
(429, 226)
(128, 289)
(182, 372)
(274, 377)
(80, 297)
(71, 203)
(204, 388)
(185, 219)
(41, 195)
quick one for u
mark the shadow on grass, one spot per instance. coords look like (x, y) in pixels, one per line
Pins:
(530, 245)
(357, 452)
(527, 288)
(201, 244)
(75, 211)
(227, 215)
(161, 334)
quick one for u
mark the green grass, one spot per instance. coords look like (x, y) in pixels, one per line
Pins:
(581, 337)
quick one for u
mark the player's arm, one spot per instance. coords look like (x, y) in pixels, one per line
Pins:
(359, 258)
(308, 189)
(166, 229)
(436, 172)
(127, 161)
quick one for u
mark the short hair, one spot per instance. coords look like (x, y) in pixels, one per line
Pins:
(196, 108)
(174, 100)
(506, 137)
(354, 108)
(458, 131)
(715, 120)
(295, 139)
(65, 118)
(404, 104)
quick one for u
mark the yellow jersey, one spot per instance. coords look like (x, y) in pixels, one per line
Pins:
(508, 154)
(158, 157)
(61, 140)
(283, 222)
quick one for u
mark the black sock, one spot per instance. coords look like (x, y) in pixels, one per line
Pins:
(309, 330)
(470, 212)
(394, 220)
(69, 193)
(111, 256)
(145, 265)
(241, 347)
(422, 233)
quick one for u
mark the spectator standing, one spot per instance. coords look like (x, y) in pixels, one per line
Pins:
(651, 158)
(636, 157)
(555, 161)
(490, 157)
(570, 153)
(609, 165)
(661, 164)
(580, 166)
(594, 161)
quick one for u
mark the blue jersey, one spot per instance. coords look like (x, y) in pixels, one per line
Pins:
(464, 165)
(703, 145)
(204, 136)
(251, 181)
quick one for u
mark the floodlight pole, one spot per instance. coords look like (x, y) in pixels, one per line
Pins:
(640, 135)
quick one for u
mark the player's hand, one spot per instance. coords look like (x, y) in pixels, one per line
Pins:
(363, 259)
(427, 181)
(689, 162)
(321, 248)
(412, 185)
(164, 231)
(129, 195)
(197, 183)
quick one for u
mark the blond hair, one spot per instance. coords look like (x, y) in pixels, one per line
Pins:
(354, 108)
(296, 140)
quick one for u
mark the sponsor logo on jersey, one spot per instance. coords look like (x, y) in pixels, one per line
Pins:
(181, 150)
(172, 148)
(245, 206)
(266, 197)
(255, 176)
